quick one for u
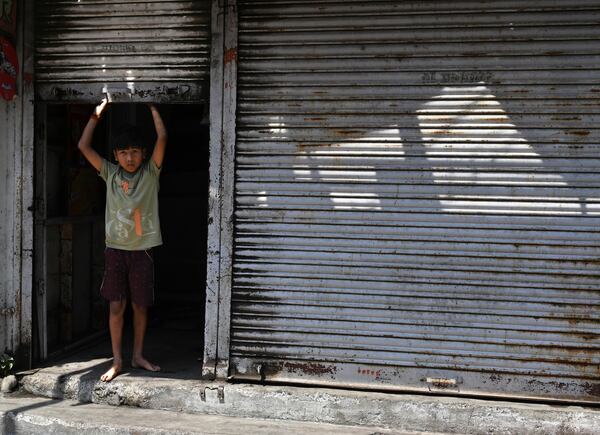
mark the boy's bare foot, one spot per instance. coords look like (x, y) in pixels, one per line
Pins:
(142, 363)
(113, 372)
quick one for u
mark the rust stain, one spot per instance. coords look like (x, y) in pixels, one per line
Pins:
(376, 374)
(566, 118)
(230, 55)
(348, 133)
(580, 132)
(593, 389)
(495, 378)
(311, 368)
(595, 262)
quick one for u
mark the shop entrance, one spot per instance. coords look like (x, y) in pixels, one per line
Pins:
(70, 315)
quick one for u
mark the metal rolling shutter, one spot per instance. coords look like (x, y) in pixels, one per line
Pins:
(140, 50)
(417, 196)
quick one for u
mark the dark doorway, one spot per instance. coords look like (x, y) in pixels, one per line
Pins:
(181, 261)
(70, 314)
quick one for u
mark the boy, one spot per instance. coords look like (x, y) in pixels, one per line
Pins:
(132, 230)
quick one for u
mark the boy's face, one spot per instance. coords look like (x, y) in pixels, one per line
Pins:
(130, 159)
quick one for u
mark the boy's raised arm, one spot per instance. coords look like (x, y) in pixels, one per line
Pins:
(85, 142)
(161, 137)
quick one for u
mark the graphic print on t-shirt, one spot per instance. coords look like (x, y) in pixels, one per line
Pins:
(124, 221)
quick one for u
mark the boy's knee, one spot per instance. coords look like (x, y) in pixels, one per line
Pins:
(139, 308)
(117, 307)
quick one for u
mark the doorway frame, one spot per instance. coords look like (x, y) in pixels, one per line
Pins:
(223, 93)
(20, 234)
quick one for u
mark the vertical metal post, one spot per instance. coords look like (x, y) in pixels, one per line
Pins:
(11, 223)
(227, 186)
(214, 192)
(40, 248)
(26, 203)
(221, 188)
(11, 218)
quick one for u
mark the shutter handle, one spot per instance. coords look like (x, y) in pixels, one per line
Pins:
(442, 382)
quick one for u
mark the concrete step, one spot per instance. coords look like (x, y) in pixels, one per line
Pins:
(182, 392)
(26, 414)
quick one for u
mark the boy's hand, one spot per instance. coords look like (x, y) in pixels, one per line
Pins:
(99, 109)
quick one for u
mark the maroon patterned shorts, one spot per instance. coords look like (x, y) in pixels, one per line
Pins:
(128, 274)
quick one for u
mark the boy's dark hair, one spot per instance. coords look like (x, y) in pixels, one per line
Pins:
(129, 138)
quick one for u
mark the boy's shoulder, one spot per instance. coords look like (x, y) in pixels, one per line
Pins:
(151, 167)
(107, 169)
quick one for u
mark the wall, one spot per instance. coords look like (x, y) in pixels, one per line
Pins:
(16, 198)
(8, 119)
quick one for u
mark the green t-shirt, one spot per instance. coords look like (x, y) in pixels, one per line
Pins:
(132, 220)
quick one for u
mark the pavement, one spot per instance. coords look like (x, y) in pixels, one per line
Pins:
(179, 389)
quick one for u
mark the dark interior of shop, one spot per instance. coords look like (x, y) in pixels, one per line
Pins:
(76, 315)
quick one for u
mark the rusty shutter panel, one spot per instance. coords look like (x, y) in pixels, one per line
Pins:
(418, 196)
(137, 50)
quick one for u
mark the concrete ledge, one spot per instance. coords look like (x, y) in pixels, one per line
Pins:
(386, 410)
(34, 415)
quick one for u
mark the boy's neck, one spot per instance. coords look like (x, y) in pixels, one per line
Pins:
(127, 173)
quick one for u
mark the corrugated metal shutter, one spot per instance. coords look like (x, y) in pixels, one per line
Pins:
(140, 50)
(417, 196)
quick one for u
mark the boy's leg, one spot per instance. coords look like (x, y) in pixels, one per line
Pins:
(140, 320)
(141, 283)
(115, 322)
(114, 287)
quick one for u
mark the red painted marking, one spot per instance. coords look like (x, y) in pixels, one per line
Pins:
(230, 55)
(9, 69)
